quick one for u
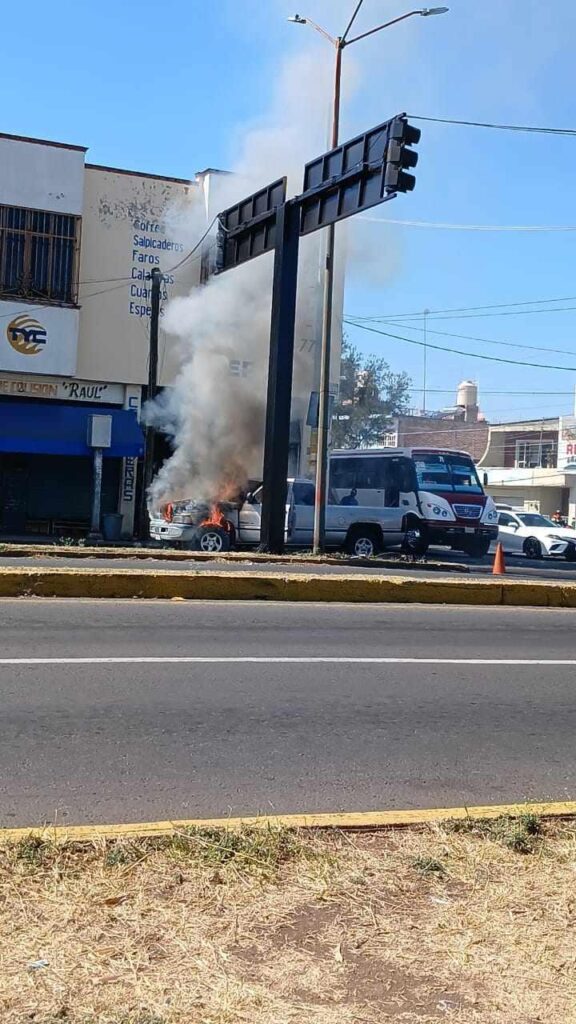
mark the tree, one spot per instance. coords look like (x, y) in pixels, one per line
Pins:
(370, 395)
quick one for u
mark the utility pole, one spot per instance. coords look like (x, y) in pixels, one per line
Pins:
(150, 432)
(324, 403)
(425, 320)
(339, 42)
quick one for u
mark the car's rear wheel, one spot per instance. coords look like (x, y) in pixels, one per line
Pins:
(212, 539)
(363, 542)
(532, 548)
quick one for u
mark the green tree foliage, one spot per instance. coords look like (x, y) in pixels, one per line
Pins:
(370, 395)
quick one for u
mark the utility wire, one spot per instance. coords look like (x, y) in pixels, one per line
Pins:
(500, 127)
(468, 227)
(485, 341)
(112, 281)
(467, 309)
(459, 352)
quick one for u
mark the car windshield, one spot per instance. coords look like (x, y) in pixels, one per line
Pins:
(445, 472)
(535, 519)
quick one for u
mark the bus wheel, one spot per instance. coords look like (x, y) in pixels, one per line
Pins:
(363, 542)
(416, 540)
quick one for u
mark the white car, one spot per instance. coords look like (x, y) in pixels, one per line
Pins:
(535, 536)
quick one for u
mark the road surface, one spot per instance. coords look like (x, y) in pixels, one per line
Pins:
(138, 740)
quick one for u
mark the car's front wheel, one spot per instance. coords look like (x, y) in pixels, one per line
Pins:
(570, 553)
(212, 539)
(532, 548)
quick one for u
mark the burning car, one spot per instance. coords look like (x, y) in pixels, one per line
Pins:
(200, 525)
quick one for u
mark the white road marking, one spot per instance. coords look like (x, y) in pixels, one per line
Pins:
(286, 661)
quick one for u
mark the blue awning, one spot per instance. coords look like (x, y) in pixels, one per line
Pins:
(54, 428)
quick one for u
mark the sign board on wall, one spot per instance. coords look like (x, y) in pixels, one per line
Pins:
(567, 442)
(62, 389)
(131, 225)
(38, 339)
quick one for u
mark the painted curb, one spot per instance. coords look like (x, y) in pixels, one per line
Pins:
(354, 821)
(246, 586)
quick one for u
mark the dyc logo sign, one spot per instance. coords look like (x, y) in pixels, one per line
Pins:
(26, 335)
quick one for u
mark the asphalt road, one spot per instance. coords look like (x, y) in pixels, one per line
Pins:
(518, 567)
(138, 740)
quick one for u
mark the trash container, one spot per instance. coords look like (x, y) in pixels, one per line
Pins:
(112, 525)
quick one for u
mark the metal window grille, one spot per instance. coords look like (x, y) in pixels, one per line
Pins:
(39, 255)
(536, 454)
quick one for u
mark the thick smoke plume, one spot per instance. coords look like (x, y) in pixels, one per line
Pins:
(215, 410)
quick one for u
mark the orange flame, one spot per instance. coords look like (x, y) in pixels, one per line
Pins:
(216, 518)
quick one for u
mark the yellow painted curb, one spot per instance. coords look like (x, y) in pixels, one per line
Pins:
(250, 586)
(351, 820)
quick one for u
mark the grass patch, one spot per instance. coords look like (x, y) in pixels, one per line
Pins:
(428, 866)
(523, 833)
(277, 926)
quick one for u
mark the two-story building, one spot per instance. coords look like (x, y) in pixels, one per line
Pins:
(532, 463)
(77, 244)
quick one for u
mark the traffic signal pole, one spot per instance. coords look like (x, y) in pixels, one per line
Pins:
(279, 398)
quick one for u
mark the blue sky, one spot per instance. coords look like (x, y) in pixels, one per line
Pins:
(169, 87)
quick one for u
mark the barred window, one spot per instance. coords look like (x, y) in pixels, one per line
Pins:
(39, 255)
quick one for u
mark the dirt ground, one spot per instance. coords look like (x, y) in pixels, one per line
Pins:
(273, 927)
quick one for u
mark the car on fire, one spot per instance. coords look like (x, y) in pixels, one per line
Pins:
(377, 498)
(534, 535)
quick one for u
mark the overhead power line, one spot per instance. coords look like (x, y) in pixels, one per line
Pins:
(468, 227)
(484, 341)
(501, 127)
(450, 391)
(459, 352)
(467, 309)
(170, 270)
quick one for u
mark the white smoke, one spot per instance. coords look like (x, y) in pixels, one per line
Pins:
(216, 408)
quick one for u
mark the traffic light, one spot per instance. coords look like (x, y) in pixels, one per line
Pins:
(399, 156)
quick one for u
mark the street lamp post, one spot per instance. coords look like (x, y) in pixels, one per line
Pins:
(338, 42)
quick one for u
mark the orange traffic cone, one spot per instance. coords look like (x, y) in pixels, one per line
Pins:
(499, 567)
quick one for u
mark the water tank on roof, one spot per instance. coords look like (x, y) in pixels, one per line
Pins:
(467, 395)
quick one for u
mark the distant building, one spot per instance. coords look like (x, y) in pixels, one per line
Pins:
(461, 426)
(532, 463)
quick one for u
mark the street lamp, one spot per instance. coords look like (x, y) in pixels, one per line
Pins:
(338, 42)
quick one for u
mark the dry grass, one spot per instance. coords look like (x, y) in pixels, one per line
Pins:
(274, 927)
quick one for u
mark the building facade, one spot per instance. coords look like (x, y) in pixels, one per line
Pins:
(77, 244)
(532, 464)
(461, 426)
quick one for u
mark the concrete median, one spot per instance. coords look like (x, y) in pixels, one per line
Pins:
(247, 586)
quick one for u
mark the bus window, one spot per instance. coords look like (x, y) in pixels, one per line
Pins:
(365, 475)
(445, 472)
(399, 479)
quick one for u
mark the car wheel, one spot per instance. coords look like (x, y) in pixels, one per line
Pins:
(532, 548)
(570, 553)
(363, 543)
(416, 540)
(212, 539)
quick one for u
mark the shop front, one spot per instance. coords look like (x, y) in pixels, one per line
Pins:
(46, 466)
